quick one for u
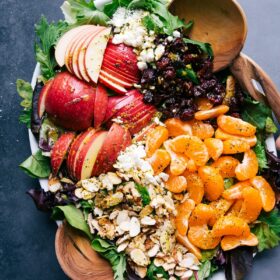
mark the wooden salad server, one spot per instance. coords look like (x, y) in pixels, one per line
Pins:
(76, 257)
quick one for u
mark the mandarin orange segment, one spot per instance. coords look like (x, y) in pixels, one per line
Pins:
(251, 206)
(203, 238)
(235, 191)
(176, 127)
(235, 146)
(159, 160)
(192, 146)
(191, 166)
(215, 147)
(232, 242)
(176, 184)
(183, 240)
(184, 211)
(266, 192)
(221, 206)
(201, 215)
(248, 168)
(220, 134)
(211, 113)
(230, 225)
(155, 139)
(179, 162)
(202, 130)
(226, 166)
(195, 187)
(235, 126)
(213, 182)
(235, 209)
(203, 103)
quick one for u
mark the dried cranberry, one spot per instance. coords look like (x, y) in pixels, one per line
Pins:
(187, 114)
(215, 98)
(149, 75)
(163, 63)
(169, 74)
(198, 91)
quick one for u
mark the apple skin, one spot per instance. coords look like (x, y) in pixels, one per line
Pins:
(112, 102)
(60, 149)
(119, 61)
(85, 158)
(42, 98)
(75, 149)
(117, 140)
(70, 102)
(100, 105)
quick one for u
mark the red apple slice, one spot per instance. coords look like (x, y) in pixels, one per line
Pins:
(81, 56)
(141, 123)
(117, 140)
(100, 105)
(118, 75)
(64, 42)
(78, 48)
(95, 53)
(144, 132)
(88, 155)
(42, 98)
(75, 149)
(112, 85)
(71, 46)
(115, 79)
(70, 102)
(60, 149)
(113, 65)
(112, 102)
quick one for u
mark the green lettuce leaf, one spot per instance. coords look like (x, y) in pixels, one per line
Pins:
(110, 8)
(74, 217)
(205, 271)
(144, 194)
(188, 73)
(109, 252)
(267, 229)
(80, 12)
(37, 166)
(205, 47)
(153, 271)
(256, 113)
(259, 149)
(160, 9)
(270, 126)
(228, 182)
(25, 91)
(47, 37)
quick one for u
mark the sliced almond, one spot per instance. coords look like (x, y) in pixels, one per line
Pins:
(139, 257)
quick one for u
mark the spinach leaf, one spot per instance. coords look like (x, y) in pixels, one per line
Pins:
(110, 8)
(188, 73)
(81, 12)
(205, 271)
(47, 37)
(144, 194)
(109, 252)
(152, 22)
(154, 270)
(25, 91)
(268, 230)
(259, 149)
(256, 113)
(238, 263)
(205, 47)
(37, 166)
(73, 216)
(208, 255)
(159, 8)
(270, 126)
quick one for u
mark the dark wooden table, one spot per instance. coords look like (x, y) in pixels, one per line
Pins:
(26, 235)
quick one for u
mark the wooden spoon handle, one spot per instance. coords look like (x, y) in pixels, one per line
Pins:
(245, 71)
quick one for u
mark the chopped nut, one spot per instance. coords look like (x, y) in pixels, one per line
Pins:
(54, 185)
(122, 246)
(91, 185)
(148, 221)
(153, 251)
(113, 199)
(114, 215)
(66, 180)
(134, 227)
(114, 178)
(86, 195)
(78, 193)
(139, 257)
(141, 271)
(168, 266)
(122, 217)
(121, 240)
(187, 274)
(158, 262)
(147, 210)
(125, 226)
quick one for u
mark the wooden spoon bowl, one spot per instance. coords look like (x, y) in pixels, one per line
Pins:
(222, 23)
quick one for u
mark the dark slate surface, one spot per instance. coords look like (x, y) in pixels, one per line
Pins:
(26, 235)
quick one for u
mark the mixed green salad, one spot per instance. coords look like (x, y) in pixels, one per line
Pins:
(128, 73)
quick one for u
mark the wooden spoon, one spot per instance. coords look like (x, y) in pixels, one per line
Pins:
(222, 23)
(76, 257)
